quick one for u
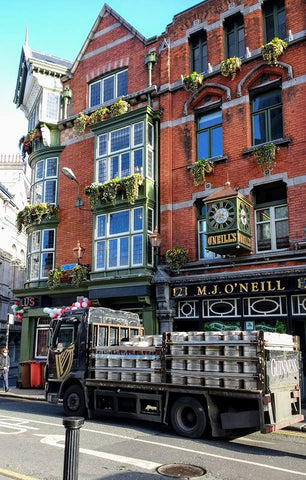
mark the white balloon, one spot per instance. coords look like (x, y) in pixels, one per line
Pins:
(74, 308)
(58, 310)
(51, 315)
(77, 304)
(85, 299)
(46, 310)
(84, 304)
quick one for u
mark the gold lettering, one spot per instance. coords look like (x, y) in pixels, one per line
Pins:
(270, 289)
(254, 286)
(302, 283)
(180, 291)
(215, 290)
(262, 286)
(278, 285)
(244, 287)
(229, 288)
(201, 291)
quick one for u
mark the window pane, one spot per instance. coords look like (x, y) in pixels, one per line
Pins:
(39, 170)
(281, 20)
(204, 57)
(263, 237)
(114, 167)
(196, 59)
(101, 226)
(150, 220)
(138, 161)
(150, 172)
(241, 42)
(48, 239)
(150, 134)
(34, 269)
(203, 145)
(282, 234)
(216, 142)
(259, 128)
(269, 20)
(276, 122)
(50, 189)
(37, 193)
(281, 212)
(46, 264)
(119, 222)
(42, 342)
(102, 145)
(124, 251)
(263, 215)
(125, 165)
(210, 119)
(108, 88)
(231, 44)
(112, 245)
(100, 255)
(102, 171)
(138, 134)
(120, 139)
(35, 242)
(51, 167)
(137, 250)
(138, 219)
(267, 100)
(122, 83)
(95, 94)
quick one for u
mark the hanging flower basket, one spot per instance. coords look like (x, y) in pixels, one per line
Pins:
(129, 186)
(54, 277)
(34, 214)
(272, 50)
(176, 258)
(230, 66)
(119, 108)
(265, 156)
(99, 115)
(80, 124)
(193, 82)
(200, 169)
(79, 275)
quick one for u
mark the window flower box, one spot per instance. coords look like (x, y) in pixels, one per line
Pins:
(176, 258)
(229, 66)
(200, 169)
(265, 156)
(272, 50)
(193, 82)
(35, 214)
(107, 192)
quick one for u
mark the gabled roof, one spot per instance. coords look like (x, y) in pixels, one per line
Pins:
(106, 9)
(225, 191)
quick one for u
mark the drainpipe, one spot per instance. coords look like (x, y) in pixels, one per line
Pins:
(150, 61)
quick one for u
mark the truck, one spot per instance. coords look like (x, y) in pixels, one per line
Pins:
(218, 383)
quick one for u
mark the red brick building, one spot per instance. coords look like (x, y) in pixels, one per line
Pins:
(253, 273)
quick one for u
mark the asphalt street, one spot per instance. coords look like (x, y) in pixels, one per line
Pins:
(33, 440)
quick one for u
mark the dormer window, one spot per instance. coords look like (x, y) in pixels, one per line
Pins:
(108, 88)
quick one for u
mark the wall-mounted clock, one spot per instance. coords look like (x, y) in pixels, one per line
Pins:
(221, 215)
(244, 217)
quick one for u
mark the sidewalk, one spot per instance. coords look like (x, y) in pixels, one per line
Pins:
(39, 395)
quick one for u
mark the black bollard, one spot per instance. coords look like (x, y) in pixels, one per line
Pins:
(72, 440)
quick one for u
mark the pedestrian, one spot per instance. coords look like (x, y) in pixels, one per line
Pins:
(4, 367)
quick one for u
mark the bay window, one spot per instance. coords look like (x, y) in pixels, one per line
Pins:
(44, 181)
(119, 239)
(120, 153)
(41, 252)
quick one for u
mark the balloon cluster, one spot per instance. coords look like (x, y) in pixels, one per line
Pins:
(57, 312)
(18, 311)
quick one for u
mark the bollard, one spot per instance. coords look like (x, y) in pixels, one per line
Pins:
(71, 455)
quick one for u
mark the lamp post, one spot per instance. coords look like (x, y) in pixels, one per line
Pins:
(155, 241)
(69, 174)
(78, 252)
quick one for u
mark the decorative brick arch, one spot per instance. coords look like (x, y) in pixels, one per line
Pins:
(256, 71)
(216, 89)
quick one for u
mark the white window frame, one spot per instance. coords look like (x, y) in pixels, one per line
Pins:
(101, 82)
(43, 180)
(300, 304)
(280, 303)
(131, 149)
(40, 252)
(272, 222)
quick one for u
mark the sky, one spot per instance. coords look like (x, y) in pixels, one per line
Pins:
(60, 28)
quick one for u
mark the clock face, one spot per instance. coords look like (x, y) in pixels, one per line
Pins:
(221, 215)
(244, 217)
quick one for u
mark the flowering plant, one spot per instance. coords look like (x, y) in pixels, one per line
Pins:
(192, 82)
(176, 258)
(230, 66)
(272, 50)
(79, 275)
(265, 156)
(199, 170)
(32, 214)
(107, 191)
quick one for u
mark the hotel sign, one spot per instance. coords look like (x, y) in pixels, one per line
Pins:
(239, 288)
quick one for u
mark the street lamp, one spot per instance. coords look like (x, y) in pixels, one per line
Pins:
(69, 174)
(155, 239)
(78, 252)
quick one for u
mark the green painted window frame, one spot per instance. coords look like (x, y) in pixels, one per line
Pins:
(234, 24)
(266, 111)
(277, 7)
(44, 179)
(209, 130)
(39, 252)
(198, 40)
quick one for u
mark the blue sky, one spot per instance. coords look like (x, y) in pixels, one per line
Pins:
(60, 28)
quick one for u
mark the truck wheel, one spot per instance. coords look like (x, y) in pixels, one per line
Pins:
(74, 401)
(188, 417)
